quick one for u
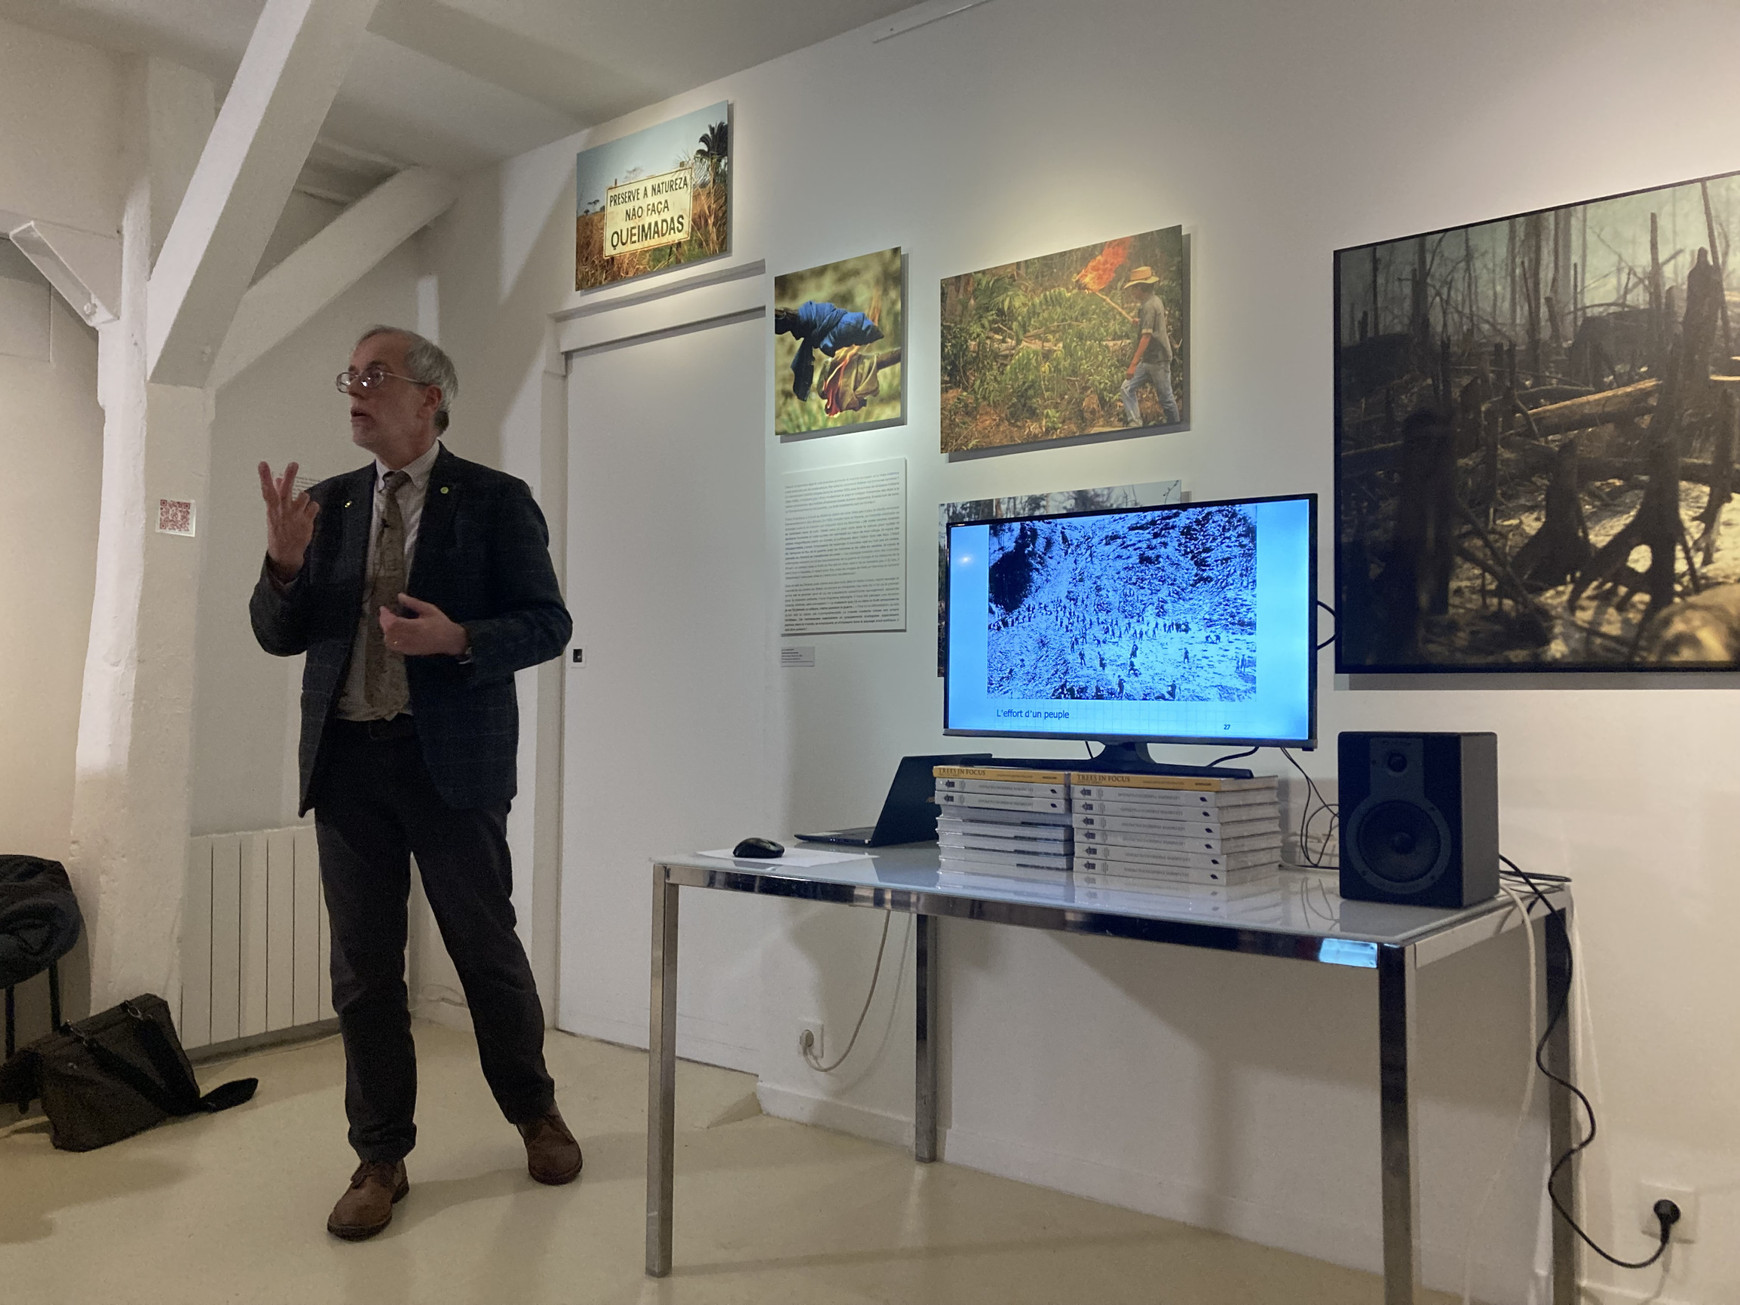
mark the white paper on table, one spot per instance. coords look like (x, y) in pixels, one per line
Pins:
(791, 858)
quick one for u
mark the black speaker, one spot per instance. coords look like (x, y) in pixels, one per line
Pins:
(1419, 818)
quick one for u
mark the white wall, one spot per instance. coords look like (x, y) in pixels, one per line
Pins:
(60, 150)
(51, 444)
(58, 162)
(1231, 1091)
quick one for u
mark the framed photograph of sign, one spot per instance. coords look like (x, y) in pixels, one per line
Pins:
(656, 199)
(838, 340)
(1084, 342)
(1536, 420)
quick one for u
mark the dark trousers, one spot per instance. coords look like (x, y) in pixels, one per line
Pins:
(374, 808)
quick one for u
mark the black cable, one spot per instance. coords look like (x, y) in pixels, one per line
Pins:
(1553, 1017)
(1331, 639)
(1328, 835)
(1534, 881)
(1232, 756)
(1305, 816)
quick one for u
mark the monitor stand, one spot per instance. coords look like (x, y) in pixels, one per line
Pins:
(1131, 758)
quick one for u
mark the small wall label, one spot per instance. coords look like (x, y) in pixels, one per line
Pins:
(175, 516)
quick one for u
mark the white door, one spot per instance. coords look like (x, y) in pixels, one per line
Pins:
(664, 733)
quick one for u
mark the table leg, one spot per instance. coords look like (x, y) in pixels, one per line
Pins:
(661, 1101)
(925, 1047)
(1401, 1186)
(1556, 961)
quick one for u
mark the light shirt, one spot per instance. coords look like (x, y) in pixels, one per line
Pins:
(1151, 321)
(351, 704)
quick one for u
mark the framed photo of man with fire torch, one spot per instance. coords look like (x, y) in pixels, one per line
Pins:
(1085, 342)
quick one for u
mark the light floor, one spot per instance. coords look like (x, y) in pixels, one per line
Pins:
(232, 1208)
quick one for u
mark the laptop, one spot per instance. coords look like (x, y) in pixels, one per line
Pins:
(908, 812)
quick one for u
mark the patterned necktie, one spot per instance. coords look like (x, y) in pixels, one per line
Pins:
(384, 685)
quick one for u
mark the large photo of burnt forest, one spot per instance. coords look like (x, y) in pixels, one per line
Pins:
(1535, 440)
(1136, 607)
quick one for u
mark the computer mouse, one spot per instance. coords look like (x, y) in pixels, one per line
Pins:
(758, 847)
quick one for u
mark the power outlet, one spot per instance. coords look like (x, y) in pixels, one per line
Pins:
(1686, 1230)
(810, 1039)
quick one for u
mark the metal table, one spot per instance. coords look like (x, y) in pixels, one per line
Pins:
(1306, 921)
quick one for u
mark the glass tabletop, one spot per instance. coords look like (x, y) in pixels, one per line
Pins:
(1287, 903)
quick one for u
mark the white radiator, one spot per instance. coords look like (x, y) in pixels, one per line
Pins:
(254, 938)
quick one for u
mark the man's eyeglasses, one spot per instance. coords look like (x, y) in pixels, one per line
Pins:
(371, 378)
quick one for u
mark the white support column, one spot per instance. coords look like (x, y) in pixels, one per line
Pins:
(329, 264)
(131, 792)
(282, 91)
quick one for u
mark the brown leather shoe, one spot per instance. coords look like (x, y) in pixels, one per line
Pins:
(552, 1154)
(367, 1205)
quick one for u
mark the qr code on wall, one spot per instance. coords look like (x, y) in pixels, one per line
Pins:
(174, 516)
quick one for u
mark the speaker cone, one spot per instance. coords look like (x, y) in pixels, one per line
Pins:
(1399, 842)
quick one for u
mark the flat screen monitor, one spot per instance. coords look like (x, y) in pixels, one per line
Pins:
(1184, 623)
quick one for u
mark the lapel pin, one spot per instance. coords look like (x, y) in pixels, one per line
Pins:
(444, 489)
(347, 502)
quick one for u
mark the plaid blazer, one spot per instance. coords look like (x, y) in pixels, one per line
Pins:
(483, 558)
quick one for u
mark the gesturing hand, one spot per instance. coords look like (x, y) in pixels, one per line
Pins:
(425, 631)
(289, 521)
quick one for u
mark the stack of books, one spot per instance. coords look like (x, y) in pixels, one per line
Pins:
(1259, 900)
(1175, 828)
(1004, 820)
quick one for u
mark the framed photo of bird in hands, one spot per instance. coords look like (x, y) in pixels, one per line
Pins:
(839, 337)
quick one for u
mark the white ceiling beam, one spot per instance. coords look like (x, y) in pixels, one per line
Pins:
(332, 261)
(287, 81)
(83, 266)
(177, 108)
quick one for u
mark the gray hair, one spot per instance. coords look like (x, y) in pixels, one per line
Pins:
(427, 363)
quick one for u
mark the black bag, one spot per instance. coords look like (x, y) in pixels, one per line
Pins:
(113, 1075)
(39, 916)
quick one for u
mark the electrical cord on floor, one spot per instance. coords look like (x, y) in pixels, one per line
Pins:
(1666, 1212)
(814, 1061)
